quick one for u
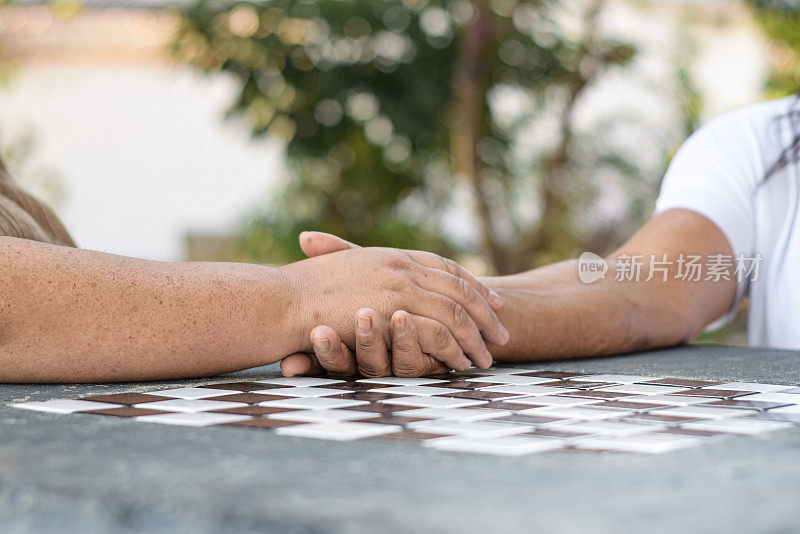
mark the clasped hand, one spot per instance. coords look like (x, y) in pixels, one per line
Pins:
(426, 313)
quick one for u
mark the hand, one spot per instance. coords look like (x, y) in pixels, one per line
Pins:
(411, 350)
(430, 287)
(415, 348)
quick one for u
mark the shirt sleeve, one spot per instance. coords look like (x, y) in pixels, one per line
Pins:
(715, 173)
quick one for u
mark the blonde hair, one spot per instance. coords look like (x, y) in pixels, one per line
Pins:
(21, 215)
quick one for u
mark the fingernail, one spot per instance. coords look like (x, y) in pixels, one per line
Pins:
(465, 364)
(505, 334)
(322, 344)
(400, 324)
(489, 358)
(364, 323)
(496, 299)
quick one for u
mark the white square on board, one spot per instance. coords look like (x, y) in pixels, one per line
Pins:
(301, 392)
(528, 390)
(619, 379)
(299, 381)
(64, 406)
(645, 443)
(702, 412)
(638, 389)
(667, 400)
(312, 403)
(400, 381)
(512, 380)
(423, 391)
(553, 400)
(578, 413)
(481, 428)
(738, 425)
(323, 416)
(193, 393)
(433, 402)
(456, 414)
(189, 405)
(193, 419)
(501, 446)
(338, 431)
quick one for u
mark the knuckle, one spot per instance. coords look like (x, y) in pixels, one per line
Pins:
(373, 371)
(400, 344)
(406, 369)
(399, 261)
(399, 284)
(464, 289)
(396, 263)
(441, 337)
(451, 267)
(460, 315)
(365, 343)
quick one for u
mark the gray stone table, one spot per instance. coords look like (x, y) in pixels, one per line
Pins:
(84, 473)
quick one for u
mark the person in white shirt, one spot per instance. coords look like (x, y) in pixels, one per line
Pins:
(726, 226)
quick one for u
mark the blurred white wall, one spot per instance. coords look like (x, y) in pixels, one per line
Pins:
(143, 153)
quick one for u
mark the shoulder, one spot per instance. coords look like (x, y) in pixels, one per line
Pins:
(743, 142)
(760, 129)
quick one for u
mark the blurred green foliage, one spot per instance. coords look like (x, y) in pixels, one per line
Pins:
(392, 137)
(780, 21)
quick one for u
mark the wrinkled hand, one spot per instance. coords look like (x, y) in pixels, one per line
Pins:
(419, 344)
(410, 352)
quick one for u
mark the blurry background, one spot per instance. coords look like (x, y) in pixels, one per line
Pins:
(502, 133)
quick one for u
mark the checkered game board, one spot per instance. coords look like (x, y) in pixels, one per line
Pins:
(503, 410)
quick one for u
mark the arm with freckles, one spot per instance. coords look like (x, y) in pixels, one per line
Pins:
(71, 315)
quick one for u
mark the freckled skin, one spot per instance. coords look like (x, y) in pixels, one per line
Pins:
(73, 315)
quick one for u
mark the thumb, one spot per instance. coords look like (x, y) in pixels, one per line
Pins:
(319, 243)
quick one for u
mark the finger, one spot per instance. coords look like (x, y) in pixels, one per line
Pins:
(372, 357)
(463, 293)
(436, 340)
(407, 358)
(332, 354)
(435, 261)
(301, 364)
(452, 315)
(319, 243)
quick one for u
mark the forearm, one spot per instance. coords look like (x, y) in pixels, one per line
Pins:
(72, 315)
(551, 314)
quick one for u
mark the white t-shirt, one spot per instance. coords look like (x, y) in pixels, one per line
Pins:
(723, 173)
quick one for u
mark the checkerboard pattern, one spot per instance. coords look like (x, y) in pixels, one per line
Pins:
(505, 411)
